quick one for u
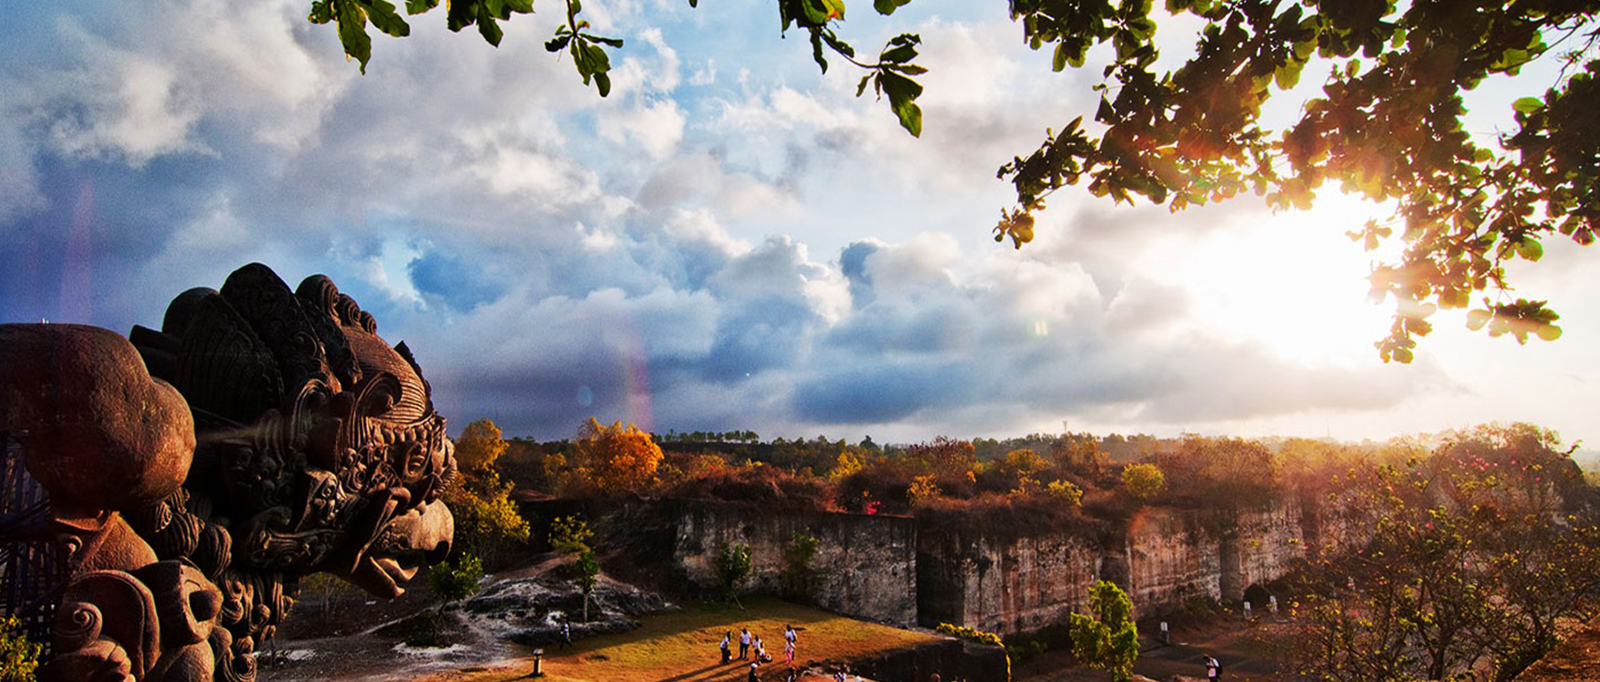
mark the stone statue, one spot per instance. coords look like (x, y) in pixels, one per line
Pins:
(273, 435)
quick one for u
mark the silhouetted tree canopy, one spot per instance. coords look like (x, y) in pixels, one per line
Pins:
(1386, 126)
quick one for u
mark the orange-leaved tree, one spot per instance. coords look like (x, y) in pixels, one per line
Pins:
(616, 458)
(486, 520)
(479, 446)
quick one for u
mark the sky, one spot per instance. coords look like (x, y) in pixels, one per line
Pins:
(730, 241)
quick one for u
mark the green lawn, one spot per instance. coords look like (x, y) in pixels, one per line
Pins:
(682, 646)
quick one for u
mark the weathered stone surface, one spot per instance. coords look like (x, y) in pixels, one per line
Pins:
(1170, 561)
(529, 611)
(101, 432)
(865, 566)
(1002, 583)
(290, 440)
(1008, 583)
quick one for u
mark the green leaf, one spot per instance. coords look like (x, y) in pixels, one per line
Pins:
(1476, 319)
(1105, 113)
(420, 6)
(1059, 61)
(1528, 105)
(321, 12)
(862, 87)
(1549, 332)
(815, 12)
(694, 3)
(898, 55)
(816, 50)
(902, 93)
(1288, 75)
(520, 6)
(353, 31)
(614, 42)
(558, 43)
(598, 61)
(489, 29)
(383, 16)
(602, 82)
(887, 7)
(1530, 249)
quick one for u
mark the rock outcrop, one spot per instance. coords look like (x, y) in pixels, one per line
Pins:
(865, 566)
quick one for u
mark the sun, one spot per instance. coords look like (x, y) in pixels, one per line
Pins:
(1292, 282)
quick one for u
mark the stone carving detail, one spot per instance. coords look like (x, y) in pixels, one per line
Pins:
(275, 435)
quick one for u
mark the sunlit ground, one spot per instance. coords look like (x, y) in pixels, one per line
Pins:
(682, 646)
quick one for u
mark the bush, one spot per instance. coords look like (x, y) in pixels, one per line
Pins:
(18, 656)
(1065, 491)
(922, 490)
(798, 574)
(456, 579)
(1107, 639)
(733, 565)
(970, 634)
(772, 488)
(1143, 481)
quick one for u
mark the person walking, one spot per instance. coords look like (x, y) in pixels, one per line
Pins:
(1213, 669)
(753, 676)
(727, 655)
(566, 633)
(744, 643)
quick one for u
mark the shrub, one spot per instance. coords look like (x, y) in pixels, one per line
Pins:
(1106, 639)
(18, 656)
(922, 490)
(1143, 481)
(970, 634)
(456, 579)
(798, 574)
(733, 565)
(570, 535)
(1065, 491)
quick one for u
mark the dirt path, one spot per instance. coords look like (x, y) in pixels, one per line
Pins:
(1248, 652)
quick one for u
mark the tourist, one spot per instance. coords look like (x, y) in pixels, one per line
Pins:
(934, 677)
(1213, 669)
(753, 676)
(744, 643)
(761, 650)
(788, 652)
(727, 655)
(838, 676)
(566, 633)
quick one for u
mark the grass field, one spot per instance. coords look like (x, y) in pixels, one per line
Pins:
(682, 646)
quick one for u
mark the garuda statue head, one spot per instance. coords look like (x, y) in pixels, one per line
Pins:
(315, 447)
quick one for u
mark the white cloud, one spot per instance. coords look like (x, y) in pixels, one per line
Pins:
(137, 108)
(655, 127)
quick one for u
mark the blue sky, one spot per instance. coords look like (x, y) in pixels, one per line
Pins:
(731, 240)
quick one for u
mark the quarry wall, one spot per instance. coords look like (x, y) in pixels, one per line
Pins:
(865, 566)
(893, 570)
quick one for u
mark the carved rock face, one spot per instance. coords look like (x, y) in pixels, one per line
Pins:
(101, 433)
(312, 446)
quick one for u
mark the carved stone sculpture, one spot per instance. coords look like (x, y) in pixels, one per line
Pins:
(274, 435)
